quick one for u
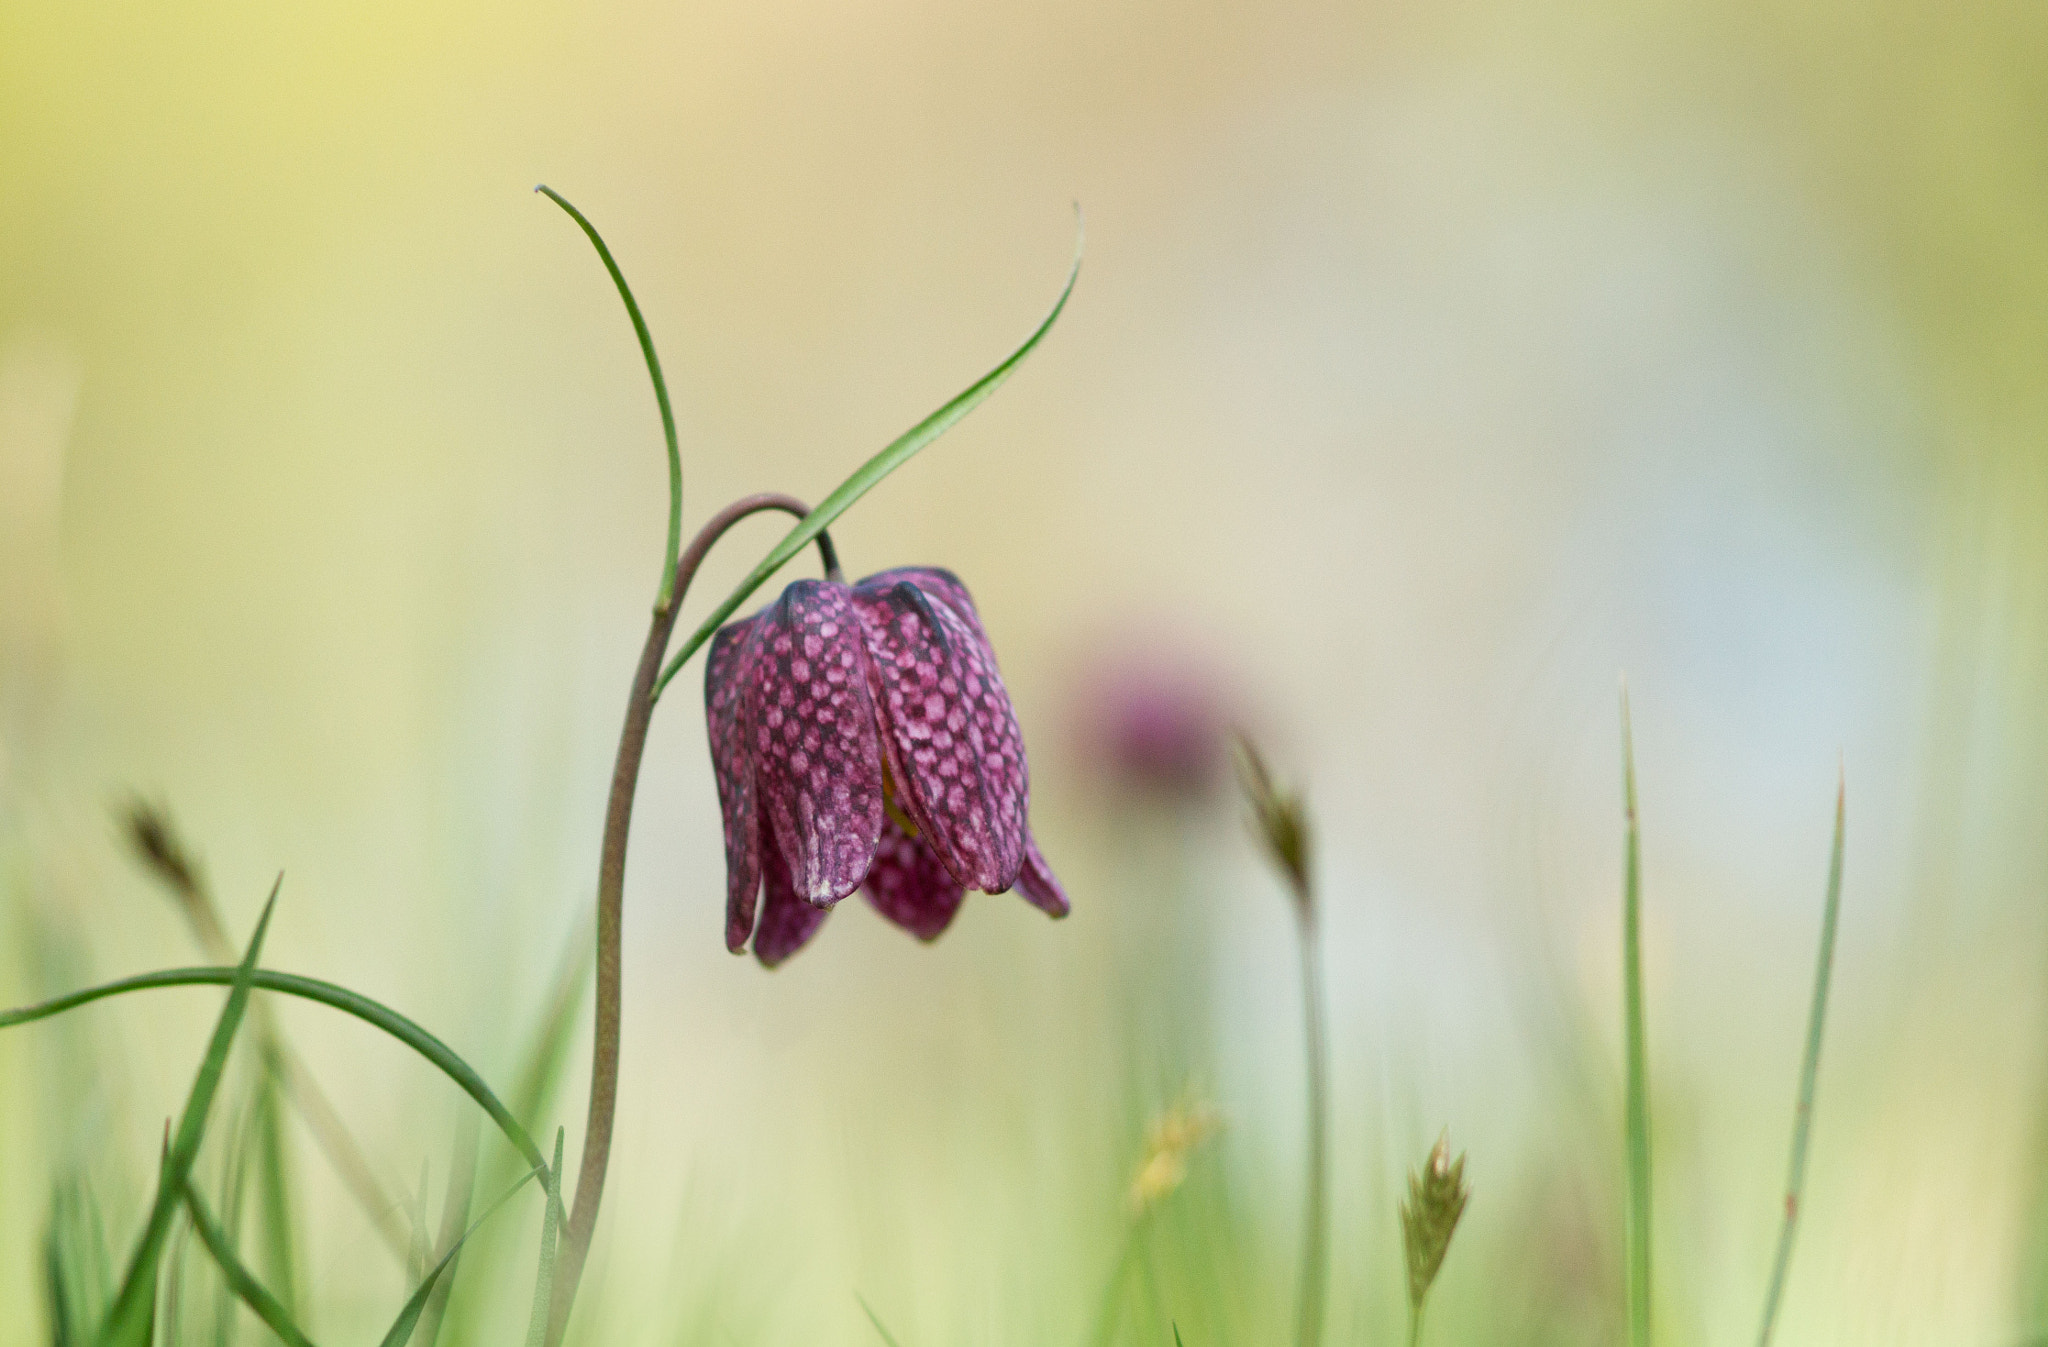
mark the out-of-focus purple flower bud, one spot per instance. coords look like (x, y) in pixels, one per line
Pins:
(1154, 720)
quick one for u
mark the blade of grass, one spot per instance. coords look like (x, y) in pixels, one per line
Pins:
(550, 1231)
(454, 1216)
(869, 474)
(409, 1316)
(666, 594)
(274, 1191)
(875, 1319)
(1637, 1123)
(540, 1074)
(239, 1279)
(311, 989)
(77, 1266)
(233, 1183)
(128, 1322)
(549, 1055)
(154, 837)
(1809, 1074)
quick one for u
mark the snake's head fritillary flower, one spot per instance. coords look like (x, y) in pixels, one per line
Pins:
(862, 739)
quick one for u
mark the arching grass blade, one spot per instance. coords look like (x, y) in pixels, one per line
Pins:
(869, 473)
(311, 989)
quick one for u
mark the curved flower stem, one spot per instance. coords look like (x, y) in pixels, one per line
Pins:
(1316, 1237)
(611, 887)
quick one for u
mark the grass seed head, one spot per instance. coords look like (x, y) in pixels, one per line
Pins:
(1436, 1199)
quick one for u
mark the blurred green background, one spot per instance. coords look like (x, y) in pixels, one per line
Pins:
(1431, 365)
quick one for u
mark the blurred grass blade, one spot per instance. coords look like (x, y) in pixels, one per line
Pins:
(274, 1191)
(540, 1075)
(245, 1286)
(549, 1055)
(233, 1187)
(876, 1320)
(78, 1269)
(454, 1217)
(1809, 1074)
(873, 471)
(409, 1316)
(311, 989)
(128, 1322)
(156, 842)
(550, 1232)
(1637, 1123)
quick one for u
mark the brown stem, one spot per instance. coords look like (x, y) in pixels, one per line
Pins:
(611, 888)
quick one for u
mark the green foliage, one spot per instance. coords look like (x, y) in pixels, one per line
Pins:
(78, 1269)
(128, 1322)
(550, 1231)
(868, 475)
(239, 1279)
(1809, 1076)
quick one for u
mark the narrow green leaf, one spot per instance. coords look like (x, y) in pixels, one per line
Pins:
(550, 1231)
(77, 1265)
(402, 1329)
(870, 473)
(1809, 1075)
(245, 1286)
(311, 989)
(455, 1209)
(274, 1190)
(1176, 1335)
(666, 593)
(233, 1185)
(876, 1320)
(1636, 1125)
(128, 1323)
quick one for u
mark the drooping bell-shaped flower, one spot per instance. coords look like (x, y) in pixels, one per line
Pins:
(862, 739)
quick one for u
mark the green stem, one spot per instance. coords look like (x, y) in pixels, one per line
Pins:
(664, 596)
(611, 893)
(1637, 1122)
(1415, 1326)
(1316, 1234)
(1809, 1074)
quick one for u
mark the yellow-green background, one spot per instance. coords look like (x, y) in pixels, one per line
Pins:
(1431, 366)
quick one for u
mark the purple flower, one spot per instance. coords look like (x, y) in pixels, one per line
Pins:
(862, 738)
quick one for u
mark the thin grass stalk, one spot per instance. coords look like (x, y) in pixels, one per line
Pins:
(1636, 1124)
(1809, 1074)
(1315, 1256)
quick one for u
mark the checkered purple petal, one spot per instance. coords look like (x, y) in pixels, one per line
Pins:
(1038, 884)
(811, 734)
(787, 921)
(951, 737)
(726, 675)
(909, 886)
